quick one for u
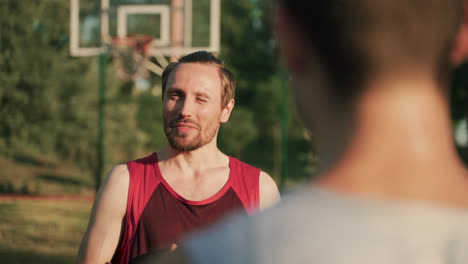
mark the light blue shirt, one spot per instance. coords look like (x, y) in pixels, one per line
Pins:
(319, 226)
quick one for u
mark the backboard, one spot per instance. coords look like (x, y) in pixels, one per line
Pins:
(178, 26)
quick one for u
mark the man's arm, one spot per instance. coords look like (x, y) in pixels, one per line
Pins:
(105, 224)
(269, 194)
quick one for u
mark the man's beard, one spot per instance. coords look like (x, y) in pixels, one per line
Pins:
(178, 140)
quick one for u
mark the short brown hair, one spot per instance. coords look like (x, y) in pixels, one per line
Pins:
(355, 38)
(228, 81)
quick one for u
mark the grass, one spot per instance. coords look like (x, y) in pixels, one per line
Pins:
(37, 230)
(33, 231)
(41, 175)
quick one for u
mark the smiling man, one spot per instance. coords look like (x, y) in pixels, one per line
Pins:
(147, 205)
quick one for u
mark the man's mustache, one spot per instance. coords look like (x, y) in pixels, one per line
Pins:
(177, 121)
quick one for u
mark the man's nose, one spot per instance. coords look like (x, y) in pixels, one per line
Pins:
(185, 108)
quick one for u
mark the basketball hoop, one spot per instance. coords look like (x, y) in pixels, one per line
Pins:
(131, 55)
(181, 24)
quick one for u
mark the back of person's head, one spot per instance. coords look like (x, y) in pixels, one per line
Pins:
(228, 80)
(355, 39)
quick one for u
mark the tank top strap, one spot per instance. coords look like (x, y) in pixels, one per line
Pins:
(142, 183)
(245, 182)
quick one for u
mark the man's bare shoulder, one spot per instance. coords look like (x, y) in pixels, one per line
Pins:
(115, 184)
(269, 193)
(118, 175)
(114, 188)
(120, 170)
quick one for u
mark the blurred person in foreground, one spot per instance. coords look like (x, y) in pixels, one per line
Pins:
(148, 204)
(371, 79)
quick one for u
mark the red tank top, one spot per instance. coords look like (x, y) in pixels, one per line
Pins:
(157, 216)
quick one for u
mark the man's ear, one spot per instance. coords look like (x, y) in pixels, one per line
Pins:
(460, 51)
(226, 113)
(292, 43)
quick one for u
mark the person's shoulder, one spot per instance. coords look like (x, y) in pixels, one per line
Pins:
(119, 170)
(118, 177)
(269, 193)
(267, 180)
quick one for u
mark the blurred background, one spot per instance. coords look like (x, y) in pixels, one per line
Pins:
(52, 139)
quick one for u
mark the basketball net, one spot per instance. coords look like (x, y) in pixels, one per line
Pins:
(131, 54)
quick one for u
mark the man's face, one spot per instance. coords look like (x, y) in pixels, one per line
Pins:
(192, 109)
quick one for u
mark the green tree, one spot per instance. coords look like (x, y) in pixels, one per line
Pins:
(48, 100)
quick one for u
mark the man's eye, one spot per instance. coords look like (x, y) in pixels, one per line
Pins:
(202, 99)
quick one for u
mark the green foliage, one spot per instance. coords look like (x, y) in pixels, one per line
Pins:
(149, 118)
(236, 134)
(248, 47)
(39, 107)
(48, 99)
